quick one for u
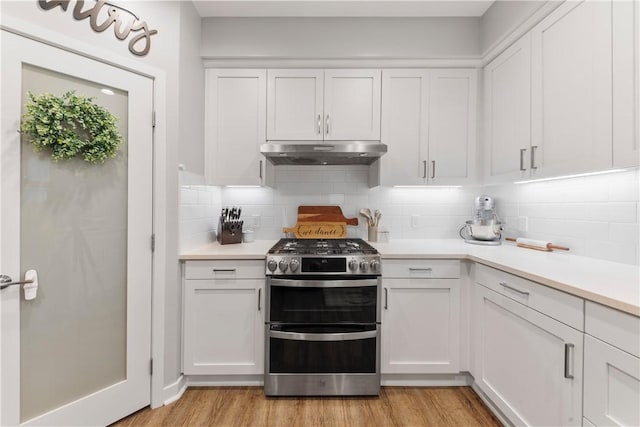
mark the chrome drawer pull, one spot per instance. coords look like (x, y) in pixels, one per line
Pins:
(420, 269)
(224, 270)
(524, 293)
(568, 361)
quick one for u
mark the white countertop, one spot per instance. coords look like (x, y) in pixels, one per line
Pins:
(612, 284)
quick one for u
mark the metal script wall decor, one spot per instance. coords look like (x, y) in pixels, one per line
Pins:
(114, 14)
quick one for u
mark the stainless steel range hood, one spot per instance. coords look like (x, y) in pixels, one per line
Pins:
(334, 153)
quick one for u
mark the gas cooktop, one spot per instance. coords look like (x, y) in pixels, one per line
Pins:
(322, 247)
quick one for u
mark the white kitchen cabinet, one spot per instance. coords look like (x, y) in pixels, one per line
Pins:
(611, 367)
(572, 90)
(429, 126)
(507, 111)
(235, 122)
(223, 319)
(527, 363)
(626, 84)
(330, 105)
(420, 317)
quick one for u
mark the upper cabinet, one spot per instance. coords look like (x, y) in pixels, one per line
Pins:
(429, 126)
(572, 90)
(626, 83)
(235, 123)
(507, 85)
(317, 105)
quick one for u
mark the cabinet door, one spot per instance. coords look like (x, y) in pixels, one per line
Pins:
(223, 327)
(626, 83)
(507, 84)
(452, 126)
(235, 111)
(523, 360)
(352, 105)
(572, 90)
(294, 109)
(405, 126)
(421, 326)
(611, 385)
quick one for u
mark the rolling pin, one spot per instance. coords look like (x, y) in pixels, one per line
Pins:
(540, 245)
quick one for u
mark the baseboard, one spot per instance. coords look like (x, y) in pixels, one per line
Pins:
(225, 380)
(173, 392)
(493, 408)
(427, 380)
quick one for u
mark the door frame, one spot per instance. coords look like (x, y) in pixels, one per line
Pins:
(159, 179)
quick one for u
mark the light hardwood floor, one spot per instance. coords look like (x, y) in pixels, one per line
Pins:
(247, 406)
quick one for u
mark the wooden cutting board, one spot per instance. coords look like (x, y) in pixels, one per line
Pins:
(320, 222)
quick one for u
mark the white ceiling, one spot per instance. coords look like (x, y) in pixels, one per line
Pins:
(341, 8)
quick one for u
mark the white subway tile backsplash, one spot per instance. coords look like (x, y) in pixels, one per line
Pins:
(595, 216)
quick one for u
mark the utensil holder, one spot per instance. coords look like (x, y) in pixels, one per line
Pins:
(373, 234)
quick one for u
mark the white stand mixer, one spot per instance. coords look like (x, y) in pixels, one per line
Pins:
(485, 228)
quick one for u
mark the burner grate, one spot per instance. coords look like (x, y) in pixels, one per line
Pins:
(323, 247)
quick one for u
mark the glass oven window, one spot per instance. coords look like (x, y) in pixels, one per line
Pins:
(323, 305)
(294, 356)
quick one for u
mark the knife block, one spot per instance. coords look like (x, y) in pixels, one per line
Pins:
(225, 237)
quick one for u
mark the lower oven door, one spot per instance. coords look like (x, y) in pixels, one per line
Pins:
(312, 360)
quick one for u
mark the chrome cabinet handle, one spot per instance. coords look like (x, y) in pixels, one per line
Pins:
(259, 298)
(224, 270)
(533, 156)
(420, 269)
(433, 169)
(522, 151)
(568, 360)
(523, 293)
(327, 125)
(260, 170)
(5, 282)
(299, 336)
(424, 168)
(319, 124)
(386, 298)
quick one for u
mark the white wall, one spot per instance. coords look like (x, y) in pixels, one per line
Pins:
(175, 22)
(338, 38)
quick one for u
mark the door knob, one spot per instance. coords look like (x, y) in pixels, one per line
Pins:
(30, 283)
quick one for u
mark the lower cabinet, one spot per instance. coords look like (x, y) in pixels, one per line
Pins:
(527, 363)
(421, 317)
(223, 326)
(611, 367)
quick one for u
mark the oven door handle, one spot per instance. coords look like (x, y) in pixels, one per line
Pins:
(291, 283)
(299, 336)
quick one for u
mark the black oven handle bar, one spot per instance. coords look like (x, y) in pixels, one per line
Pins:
(298, 336)
(329, 283)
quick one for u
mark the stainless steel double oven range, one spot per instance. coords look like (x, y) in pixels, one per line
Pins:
(323, 318)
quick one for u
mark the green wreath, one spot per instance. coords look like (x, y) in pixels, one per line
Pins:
(71, 125)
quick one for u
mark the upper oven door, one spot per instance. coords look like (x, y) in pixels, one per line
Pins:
(323, 300)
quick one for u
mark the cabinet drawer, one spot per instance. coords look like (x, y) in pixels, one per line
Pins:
(421, 268)
(563, 307)
(225, 269)
(619, 329)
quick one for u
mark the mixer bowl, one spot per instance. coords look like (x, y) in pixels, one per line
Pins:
(484, 229)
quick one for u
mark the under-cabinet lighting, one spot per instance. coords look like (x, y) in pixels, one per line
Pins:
(578, 175)
(243, 186)
(427, 186)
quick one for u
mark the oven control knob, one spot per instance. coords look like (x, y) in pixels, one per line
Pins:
(272, 265)
(293, 265)
(283, 264)
(374, 265)
(364, 265)
(353, 264)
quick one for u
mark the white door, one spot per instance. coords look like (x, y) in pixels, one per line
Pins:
(294, 105)
(78, 354)
(405, 126)
(352, 105)
(452, 126)
(572, 90)
(507, 85)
